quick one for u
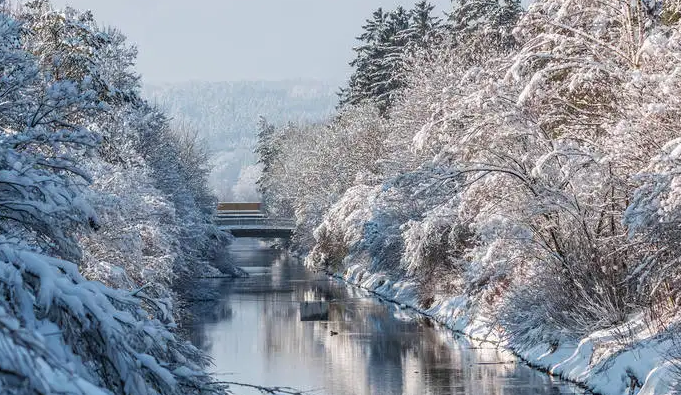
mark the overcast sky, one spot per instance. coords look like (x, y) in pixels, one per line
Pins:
(230, 40)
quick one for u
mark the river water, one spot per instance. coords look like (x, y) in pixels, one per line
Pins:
(286, 326)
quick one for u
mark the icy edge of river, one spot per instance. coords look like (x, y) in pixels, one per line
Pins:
(597, 362)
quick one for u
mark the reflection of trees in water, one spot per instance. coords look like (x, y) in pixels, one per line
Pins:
(198, 336)
(370, 348)
(208, 313)
(283, 331)
(443, 368)
(377, 349)
(213, 311)
(385, 363)
(208, 304)
(373, 351)
(398, 350)
(454, 364)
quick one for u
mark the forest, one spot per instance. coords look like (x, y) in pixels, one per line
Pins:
(513, 172)
(224, 116)
(104, 210)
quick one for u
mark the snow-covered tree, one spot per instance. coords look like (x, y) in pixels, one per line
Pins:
(471, 17)
(653, 217)
(379, 64)
(528, 164)
(61, 332)
(245, 189)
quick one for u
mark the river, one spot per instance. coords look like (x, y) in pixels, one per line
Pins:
(286, 326)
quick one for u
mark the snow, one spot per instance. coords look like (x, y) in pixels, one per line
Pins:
(608, 372)
(97, 218)
(524, 189)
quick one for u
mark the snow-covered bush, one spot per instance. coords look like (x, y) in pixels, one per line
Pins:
(136, 243)
(308, 168)
(537, 175)
(342, 228)
(654, 217)
(61, 332)
(381, 239)
(436, 247)
(598, 83)
(90, 335)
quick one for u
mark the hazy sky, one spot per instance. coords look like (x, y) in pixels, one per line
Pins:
(228, 40)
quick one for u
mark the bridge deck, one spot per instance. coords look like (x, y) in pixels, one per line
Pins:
(247, 226)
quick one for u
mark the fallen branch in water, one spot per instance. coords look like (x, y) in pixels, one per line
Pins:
(267, 390)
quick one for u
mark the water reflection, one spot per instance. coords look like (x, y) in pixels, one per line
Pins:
(285, 326)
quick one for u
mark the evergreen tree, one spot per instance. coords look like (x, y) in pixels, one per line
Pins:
(379, 63)
(365, 60)
(388, 58)
(267, 152)
(423, 26)
(484, 24)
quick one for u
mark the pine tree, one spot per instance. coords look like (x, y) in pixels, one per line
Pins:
(379, 63)
(364, 62)
(386, 79)
(485, 24)
(267, 152)
(423, 27)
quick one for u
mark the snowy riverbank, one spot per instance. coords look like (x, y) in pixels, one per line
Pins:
(530, 164)
(626, 360)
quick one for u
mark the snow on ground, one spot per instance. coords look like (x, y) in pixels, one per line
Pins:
(600, 361)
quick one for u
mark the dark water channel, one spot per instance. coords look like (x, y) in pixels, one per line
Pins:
(279, 326)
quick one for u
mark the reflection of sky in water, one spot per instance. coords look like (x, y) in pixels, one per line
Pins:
(255, 335)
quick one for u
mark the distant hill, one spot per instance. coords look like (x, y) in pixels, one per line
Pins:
(226, 115)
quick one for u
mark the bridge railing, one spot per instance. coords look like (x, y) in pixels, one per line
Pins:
(253, 222)
(232, 214)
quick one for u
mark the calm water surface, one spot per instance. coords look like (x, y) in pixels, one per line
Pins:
(285, 326)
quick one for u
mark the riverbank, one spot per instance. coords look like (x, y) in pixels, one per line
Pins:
(626, 360)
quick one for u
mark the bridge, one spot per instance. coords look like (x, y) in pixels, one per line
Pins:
(248, 220)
